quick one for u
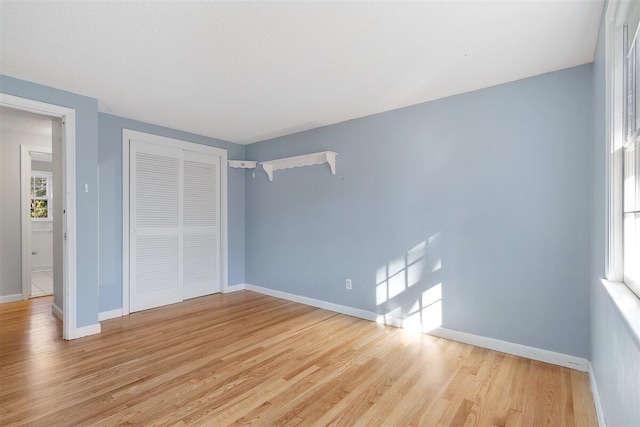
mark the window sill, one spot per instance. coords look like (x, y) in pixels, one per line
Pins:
(628, 304)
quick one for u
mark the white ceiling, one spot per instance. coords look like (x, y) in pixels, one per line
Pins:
(248, 71)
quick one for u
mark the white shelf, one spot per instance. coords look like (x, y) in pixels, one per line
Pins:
(299, 161)
(243, 164)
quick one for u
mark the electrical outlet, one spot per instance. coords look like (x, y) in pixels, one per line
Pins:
(348, 283)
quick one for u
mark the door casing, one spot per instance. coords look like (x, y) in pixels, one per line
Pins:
(68, 116)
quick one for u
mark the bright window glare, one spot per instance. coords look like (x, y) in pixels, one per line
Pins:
(432, 316)
(413, 323)
(381, 274)
(414, 272)
(396, 266)
(396, 284)
(432, 295)
(416, 253)
(403, 272)
(381, 293)
(415, 307)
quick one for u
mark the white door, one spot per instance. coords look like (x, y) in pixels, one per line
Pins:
(155, 218)
(201, 224)
(174, 221)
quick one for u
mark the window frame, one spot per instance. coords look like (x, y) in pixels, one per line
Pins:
(630, 152)
(48, 196)
(617, 117)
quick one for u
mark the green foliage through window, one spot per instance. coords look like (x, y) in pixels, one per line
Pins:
(40, 193)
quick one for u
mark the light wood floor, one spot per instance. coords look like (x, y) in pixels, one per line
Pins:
(245, 358)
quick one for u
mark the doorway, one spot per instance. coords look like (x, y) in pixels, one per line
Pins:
(62, 123)
(41, 221)
(20, 129)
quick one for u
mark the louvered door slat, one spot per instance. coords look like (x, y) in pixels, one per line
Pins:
(155, 232)
(201, 224)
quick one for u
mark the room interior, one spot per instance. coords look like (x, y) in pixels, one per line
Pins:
(34, 131)
(446, 182)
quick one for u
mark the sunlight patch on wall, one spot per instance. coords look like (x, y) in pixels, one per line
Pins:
(405, 288)
(414, 272)
(432, 308)
(393, 278)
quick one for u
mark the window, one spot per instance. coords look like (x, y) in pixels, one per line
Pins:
(41, 194)
(631, 167)
(623, 127)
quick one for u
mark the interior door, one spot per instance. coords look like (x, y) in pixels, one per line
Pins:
(156, 237)
(201, 224)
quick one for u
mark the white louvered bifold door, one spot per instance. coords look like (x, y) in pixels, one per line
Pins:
(156, 176)
(201, 224)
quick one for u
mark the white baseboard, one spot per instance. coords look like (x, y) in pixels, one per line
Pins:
(234, 288)
(390, 320)
(111, 314)
(78, 332)
(534, 353)
(57, 311)
(547, 356)
(10, 298)
(343, 309)
(596, 397)
(85, 331)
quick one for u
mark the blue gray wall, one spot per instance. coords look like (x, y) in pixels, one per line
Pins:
(487, 194)
(86, 173)
(615, 355)
(110, 172)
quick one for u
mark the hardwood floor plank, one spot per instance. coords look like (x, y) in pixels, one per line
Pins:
(250, 359)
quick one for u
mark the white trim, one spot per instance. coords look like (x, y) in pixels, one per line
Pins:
(596, 397)
(98, 238)
(10, 298)
(342, 309)
(57, 311)
(224, 227)
(534, 353)
(234, 288)
(618, 10)
(539, 354)
(110, 314)
(125, 223)
(614, 132)
(68, 116)
(628, 306)
(127, 135)
(390, 320)
(174, 143)
(86, 331)
(25, 212)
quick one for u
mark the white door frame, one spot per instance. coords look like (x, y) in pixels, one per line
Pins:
(127, 135)
(25, 232)
(68, 115)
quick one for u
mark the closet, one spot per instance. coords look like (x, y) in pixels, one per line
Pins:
(175, 207)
